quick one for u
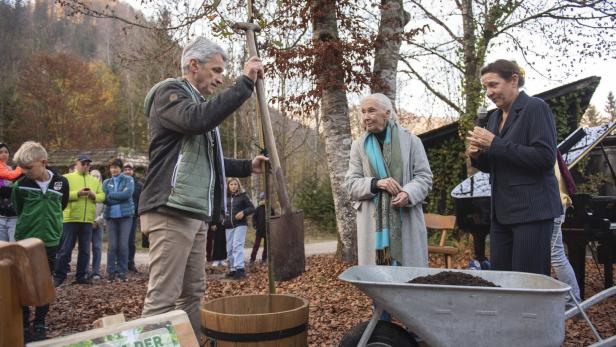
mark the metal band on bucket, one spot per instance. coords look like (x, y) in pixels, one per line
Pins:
(254, 337)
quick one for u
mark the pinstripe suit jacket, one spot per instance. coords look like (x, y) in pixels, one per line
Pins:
(520, 162)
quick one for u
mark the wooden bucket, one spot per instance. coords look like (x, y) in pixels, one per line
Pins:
(256, 320)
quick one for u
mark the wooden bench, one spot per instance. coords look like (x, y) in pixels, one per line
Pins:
(445, 224)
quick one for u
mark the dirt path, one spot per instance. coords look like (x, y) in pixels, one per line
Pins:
(328, 247)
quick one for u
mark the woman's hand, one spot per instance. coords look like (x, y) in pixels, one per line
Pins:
(389, 185)
(401, 200)
(239, 215)
(473, 151)
(480, 138)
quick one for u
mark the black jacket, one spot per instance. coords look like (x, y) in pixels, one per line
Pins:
(259, 220)
(137, 194)
(235, 204)
(6, 208)
(521, 161)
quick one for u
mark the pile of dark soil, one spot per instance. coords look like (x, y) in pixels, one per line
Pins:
(453, 279)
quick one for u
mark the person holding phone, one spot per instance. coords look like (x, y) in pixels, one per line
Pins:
(84, 192)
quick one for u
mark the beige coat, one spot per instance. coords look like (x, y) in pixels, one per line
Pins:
(416, 182)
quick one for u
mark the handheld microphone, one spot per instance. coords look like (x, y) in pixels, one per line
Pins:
(482, 116)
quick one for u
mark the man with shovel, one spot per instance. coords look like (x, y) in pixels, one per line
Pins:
(184, 189)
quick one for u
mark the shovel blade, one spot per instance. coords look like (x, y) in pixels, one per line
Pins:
(287, 245)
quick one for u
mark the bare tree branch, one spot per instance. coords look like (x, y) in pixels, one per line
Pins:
(437, 21)
(430, 87)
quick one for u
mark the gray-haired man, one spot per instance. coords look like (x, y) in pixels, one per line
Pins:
(184, 189)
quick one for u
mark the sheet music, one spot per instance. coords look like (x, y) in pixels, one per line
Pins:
(478, 185)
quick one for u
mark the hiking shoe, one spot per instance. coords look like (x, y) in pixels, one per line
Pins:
(133, 268)
(239, 274)
(39, 333)
(230, 274)
(474, 265)
(122, 278)
(82, 281)
(95, 278)
(57, 282)
(111, 278)
(485, 265)
(27, 335)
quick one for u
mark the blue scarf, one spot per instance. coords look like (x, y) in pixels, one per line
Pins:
(386, 163)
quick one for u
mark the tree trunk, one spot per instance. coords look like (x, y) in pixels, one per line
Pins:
(329, 74)
(471, 86)
(387, 50)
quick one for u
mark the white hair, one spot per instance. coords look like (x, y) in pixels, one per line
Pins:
(383, 101)
(30, 152)
(201, 49)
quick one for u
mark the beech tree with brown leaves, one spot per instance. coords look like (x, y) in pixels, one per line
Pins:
(65, 103)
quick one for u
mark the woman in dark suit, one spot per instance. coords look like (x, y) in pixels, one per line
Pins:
(518, 149)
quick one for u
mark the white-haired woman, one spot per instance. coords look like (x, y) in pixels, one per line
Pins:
(388, 179)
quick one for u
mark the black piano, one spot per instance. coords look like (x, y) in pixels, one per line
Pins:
(592, 218)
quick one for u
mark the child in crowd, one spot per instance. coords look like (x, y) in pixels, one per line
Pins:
(239, 207)
(38, 199)
(7, 213)
(259, 220)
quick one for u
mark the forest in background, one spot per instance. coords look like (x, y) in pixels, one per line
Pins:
(77, 82)
(72, 81)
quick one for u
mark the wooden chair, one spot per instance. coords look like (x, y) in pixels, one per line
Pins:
(445, 224)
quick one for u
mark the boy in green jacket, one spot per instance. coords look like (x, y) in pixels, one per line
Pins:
(39, 199)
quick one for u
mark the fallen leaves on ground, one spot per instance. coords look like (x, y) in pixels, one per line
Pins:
(335, 306)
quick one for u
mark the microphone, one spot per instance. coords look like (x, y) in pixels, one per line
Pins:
(482, 117)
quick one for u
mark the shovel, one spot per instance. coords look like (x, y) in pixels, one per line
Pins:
(286, 242)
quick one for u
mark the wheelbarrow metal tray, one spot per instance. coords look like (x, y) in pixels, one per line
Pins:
(528, 309)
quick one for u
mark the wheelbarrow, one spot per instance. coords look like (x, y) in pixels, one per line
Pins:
(526, 310)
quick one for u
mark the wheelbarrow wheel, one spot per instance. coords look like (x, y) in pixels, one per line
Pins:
(385, 334)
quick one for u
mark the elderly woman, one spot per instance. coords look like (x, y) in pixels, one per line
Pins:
(518, 149)
(388, 178)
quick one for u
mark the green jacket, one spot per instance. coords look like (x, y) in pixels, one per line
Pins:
(39, 214)
(82, 209)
